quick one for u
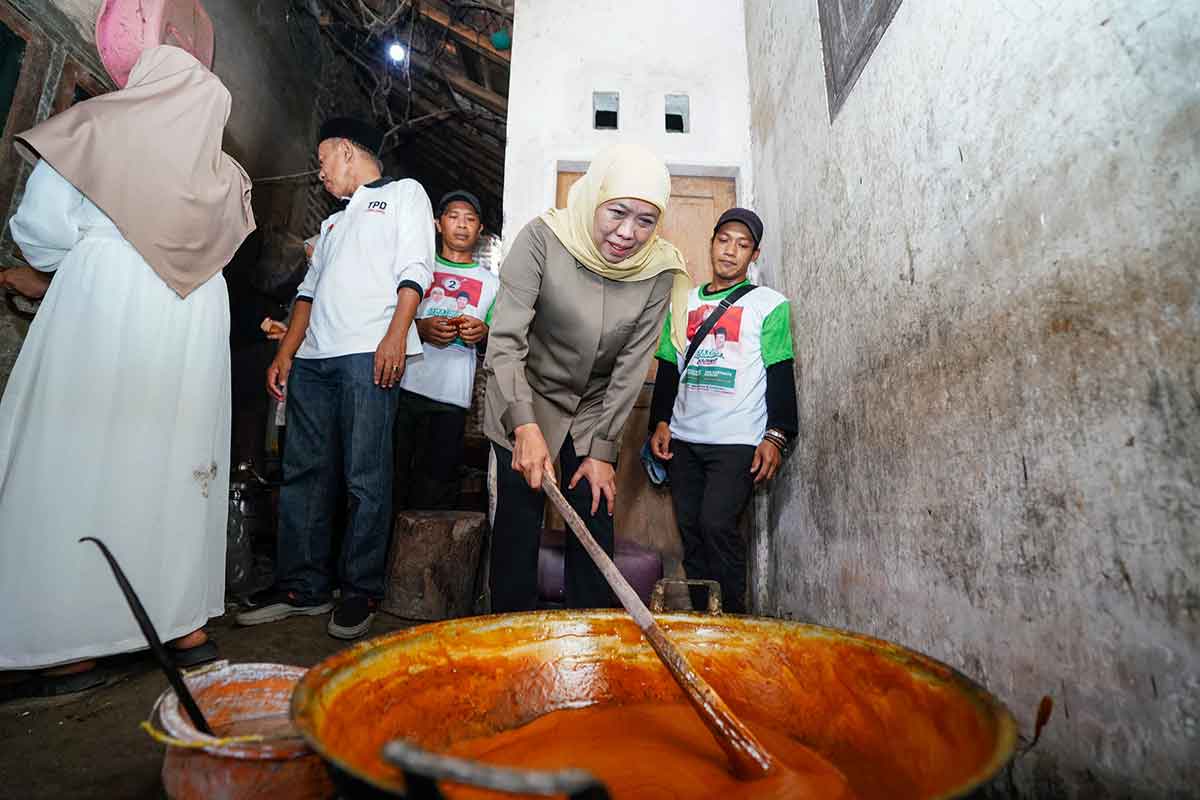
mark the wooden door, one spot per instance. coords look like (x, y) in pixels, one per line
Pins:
(644, 514)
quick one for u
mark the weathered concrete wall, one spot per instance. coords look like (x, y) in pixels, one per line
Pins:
(994, 259)
(563, 52)
(271, 127)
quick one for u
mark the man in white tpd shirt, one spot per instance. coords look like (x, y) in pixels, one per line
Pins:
(341, 360)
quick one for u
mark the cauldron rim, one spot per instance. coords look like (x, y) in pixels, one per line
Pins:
(306, 691)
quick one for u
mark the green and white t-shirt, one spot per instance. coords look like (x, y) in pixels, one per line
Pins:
(722, 397)
(447, 372)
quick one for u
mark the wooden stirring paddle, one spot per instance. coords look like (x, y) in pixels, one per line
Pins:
(750, 761)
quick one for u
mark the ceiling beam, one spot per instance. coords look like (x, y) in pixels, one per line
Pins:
(489, 160)
(464, 85)
(463, 172)
(490, 100)
(462, 177)
(456, 161)
(473, 39)
(478, 143)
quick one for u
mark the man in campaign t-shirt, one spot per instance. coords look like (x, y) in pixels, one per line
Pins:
(435, 394)
(727, 422)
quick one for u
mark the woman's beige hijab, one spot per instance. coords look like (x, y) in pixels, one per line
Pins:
(625, 170)
(149, 156)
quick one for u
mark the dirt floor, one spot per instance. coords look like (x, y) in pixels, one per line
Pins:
(90, 745)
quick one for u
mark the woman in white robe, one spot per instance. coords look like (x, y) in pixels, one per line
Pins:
(114, 424)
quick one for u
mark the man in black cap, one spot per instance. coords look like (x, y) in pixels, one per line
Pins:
(341, 360)
(435, 395)
(729, 421)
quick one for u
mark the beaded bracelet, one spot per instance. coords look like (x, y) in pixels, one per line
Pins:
(779, 442)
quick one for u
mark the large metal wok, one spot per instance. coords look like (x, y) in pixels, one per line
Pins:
(898, 724)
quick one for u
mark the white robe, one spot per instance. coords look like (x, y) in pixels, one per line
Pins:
(114, 424)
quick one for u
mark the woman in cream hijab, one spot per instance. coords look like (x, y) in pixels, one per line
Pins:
(115, 419)
(583, 292)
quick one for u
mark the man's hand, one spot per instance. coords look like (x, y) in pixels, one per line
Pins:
(25, 281)
(660, 442)
(471, 330)
(531, 457)
(767, 459)
(436, 330)
(277, 375)
(601, 477)
(389, 360)
(273, 328)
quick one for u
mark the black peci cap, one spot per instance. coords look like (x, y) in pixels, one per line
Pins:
(363, 134)
(462, 196)
(747, 218)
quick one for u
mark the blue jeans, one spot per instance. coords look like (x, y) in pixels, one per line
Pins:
(339, 428)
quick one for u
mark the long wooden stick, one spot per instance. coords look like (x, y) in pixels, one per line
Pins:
(750, 760)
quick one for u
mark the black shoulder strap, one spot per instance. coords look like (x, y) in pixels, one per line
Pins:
(713, 317)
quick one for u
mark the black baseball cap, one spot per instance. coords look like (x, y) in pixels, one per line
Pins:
(747, 218)
(462, 195)
(363, 134)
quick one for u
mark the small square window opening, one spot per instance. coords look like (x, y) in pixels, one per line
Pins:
(678, 116)
(606, 107)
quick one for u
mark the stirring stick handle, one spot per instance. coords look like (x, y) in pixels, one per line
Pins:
(749, 758)
(156, 646)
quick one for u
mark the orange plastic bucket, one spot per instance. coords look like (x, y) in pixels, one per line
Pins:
(254, 753)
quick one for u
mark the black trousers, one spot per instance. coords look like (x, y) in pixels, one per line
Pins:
(710, 487)
(428, 452)
(516, 536)
(248, 365)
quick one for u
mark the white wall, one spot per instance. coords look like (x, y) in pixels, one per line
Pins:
(644, 49)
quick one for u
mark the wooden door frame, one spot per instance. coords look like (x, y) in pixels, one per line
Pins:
(76, 75)
(677, 170)
(27, 97)
(759, 557)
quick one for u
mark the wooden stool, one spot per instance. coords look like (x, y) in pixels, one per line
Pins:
(433, 564)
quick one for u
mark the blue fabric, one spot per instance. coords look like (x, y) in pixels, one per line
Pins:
(339, 429)
(656, 470)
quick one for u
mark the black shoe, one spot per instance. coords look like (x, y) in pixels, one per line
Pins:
(272, 605)
(352, 618)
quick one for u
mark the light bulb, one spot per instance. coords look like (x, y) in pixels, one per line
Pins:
(396, 52)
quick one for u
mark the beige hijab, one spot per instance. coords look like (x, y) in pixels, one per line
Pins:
(149, 156)
(625, 170)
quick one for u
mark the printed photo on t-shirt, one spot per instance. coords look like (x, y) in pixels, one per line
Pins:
(713, 368)
(452, 295)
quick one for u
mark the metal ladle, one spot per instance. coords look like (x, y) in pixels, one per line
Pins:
(174, 676)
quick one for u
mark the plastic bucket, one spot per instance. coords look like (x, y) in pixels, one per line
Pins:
(236, 764)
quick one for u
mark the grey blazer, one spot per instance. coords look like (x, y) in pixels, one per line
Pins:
(567, 349)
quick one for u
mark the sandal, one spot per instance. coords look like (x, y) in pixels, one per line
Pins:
(195, 656)
(40, 686)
